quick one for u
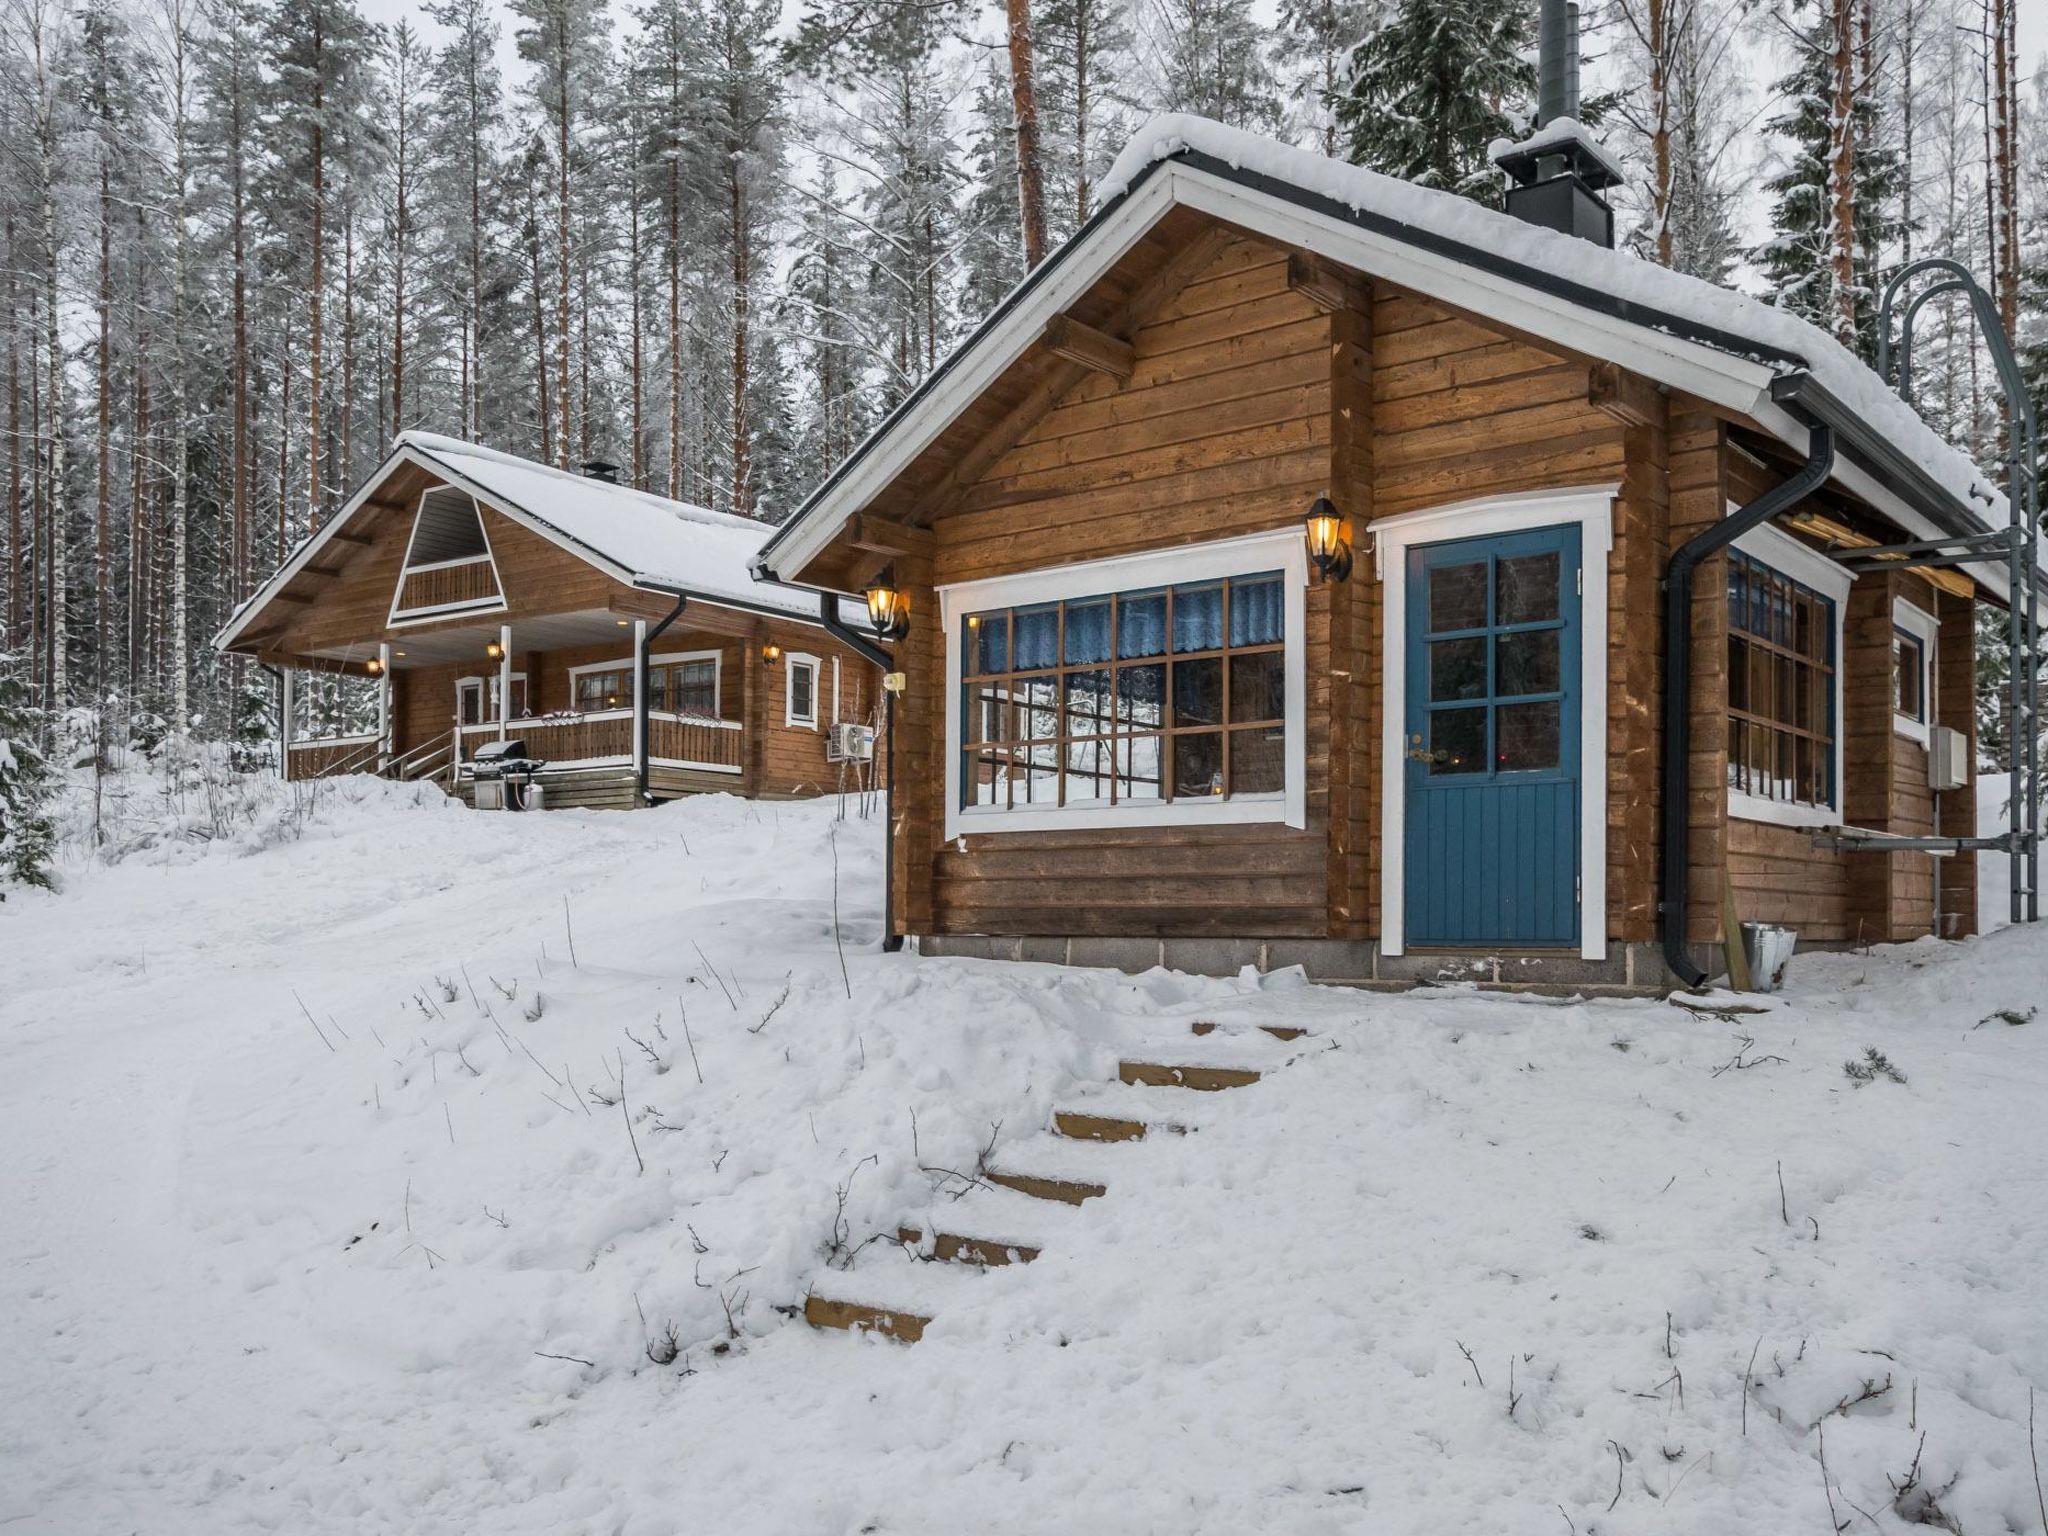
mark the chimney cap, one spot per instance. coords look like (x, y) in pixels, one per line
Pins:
(1562, 138)
(601, 469)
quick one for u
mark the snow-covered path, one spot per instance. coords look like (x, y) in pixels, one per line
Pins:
(406, 1279)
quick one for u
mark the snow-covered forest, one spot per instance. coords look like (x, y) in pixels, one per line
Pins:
(242, 242)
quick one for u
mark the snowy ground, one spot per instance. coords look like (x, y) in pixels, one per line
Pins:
(317, 1217)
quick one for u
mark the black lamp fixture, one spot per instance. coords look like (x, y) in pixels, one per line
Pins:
(771, 653)
(374, 666)
(888, 608)
(494, 650)
(1327, 545)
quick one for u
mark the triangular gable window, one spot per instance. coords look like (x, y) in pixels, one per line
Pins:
(448, 565)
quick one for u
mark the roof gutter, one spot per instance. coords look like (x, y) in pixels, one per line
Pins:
(1678, 588)
(828, 615)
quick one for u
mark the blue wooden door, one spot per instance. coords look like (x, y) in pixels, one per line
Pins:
(1492, 741)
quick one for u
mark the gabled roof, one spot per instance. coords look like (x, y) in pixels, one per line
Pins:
(633, 536)
(1750, 358)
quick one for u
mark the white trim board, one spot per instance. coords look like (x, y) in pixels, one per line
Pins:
(1283, 549)
(1592, 508)
(791, 660)
(1789, 557)
(1926, 628)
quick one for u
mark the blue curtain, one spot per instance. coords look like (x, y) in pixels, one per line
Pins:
(1257, 612)
(1088, 632)
(1141, 624)
(1037, 641)
(1198, 618)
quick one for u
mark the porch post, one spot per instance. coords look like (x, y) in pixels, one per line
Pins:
(504, 678)
(383, 706)
(287, 706)
(639, 702)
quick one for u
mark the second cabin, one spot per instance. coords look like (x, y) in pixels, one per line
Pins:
(619, 635)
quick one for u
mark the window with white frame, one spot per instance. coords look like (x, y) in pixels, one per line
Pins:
(1139, 691)
(685, 683)
(800, 674)
(1914, 630)
(1785, 614)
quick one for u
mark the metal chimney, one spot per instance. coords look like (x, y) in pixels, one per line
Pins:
(1559, 175)
(601, 469)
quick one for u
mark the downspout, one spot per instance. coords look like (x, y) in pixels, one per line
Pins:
(640, 685)
(828, 615)
(1678, 580)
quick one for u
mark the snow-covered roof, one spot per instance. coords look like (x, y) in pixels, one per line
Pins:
(1746, 356)
(634, 536)
(1779, 336)
(655, 541)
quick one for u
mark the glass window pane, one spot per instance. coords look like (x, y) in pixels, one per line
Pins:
(1088, 771)
(1036, 637)
(1087, 703)
(984, 777)
(1088, 631)
(1457, 597)
(1198, 765)
(1141, 624)
(1457, 669)
(1037, 714)
(1526, 588)
(1527, 662)
(1257, 610)
(1258, 686)
(1258, 761)
(693, 688)
(1035, 778)
(988, 641)
(1198, 691)
(1141, 695)
(1138, 763)
(1738, 672)
(1457, 740)
(988, 712)
(1198, 617)
(1527, 736)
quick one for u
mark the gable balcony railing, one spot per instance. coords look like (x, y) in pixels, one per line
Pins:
(448, 584)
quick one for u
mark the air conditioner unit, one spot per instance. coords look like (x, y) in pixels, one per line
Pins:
(850, 743)
(1948, 758)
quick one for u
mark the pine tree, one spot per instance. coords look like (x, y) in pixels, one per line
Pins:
(1209, 57)
(1813, 263)
(1315, 39)
(1432, 87)
(1084, 51)
(27, 839)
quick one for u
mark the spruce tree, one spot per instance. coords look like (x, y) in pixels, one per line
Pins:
(26, 785)
(1797, 259)
(1432, 87)
(1209, 57)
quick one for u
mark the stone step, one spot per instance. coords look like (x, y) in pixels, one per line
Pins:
(863, 1317)
(958, 1248)
(1082, 1126)
(1277, 1031)
(1202, 1079)
(1046, 1187)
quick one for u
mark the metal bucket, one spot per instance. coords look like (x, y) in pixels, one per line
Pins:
(1768, 949)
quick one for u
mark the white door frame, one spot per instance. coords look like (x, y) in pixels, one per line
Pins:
(1592, 508)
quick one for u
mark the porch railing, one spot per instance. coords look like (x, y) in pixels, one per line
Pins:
(327, 756)
(604, 738)
(448, 584)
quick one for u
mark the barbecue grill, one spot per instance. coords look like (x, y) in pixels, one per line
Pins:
(505, 775)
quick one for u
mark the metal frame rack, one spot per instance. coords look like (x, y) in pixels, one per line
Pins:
(2015, 543)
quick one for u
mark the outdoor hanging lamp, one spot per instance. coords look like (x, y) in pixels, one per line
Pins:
(888, 610)
(374, 667)
(1326, 543)
(494, 650)
(771, 653)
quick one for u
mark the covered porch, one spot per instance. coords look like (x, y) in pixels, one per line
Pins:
(636, 701)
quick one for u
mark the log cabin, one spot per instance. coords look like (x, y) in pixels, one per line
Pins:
(620, 635)
(1304, 567)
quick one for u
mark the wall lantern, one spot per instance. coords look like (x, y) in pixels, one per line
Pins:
(374, 667)
(1326, 543)
(771, 653)
(888, 610)
(495, 651)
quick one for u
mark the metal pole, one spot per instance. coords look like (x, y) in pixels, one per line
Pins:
(504, 679)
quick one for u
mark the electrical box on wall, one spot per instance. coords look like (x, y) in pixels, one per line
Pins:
(1948, 759)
